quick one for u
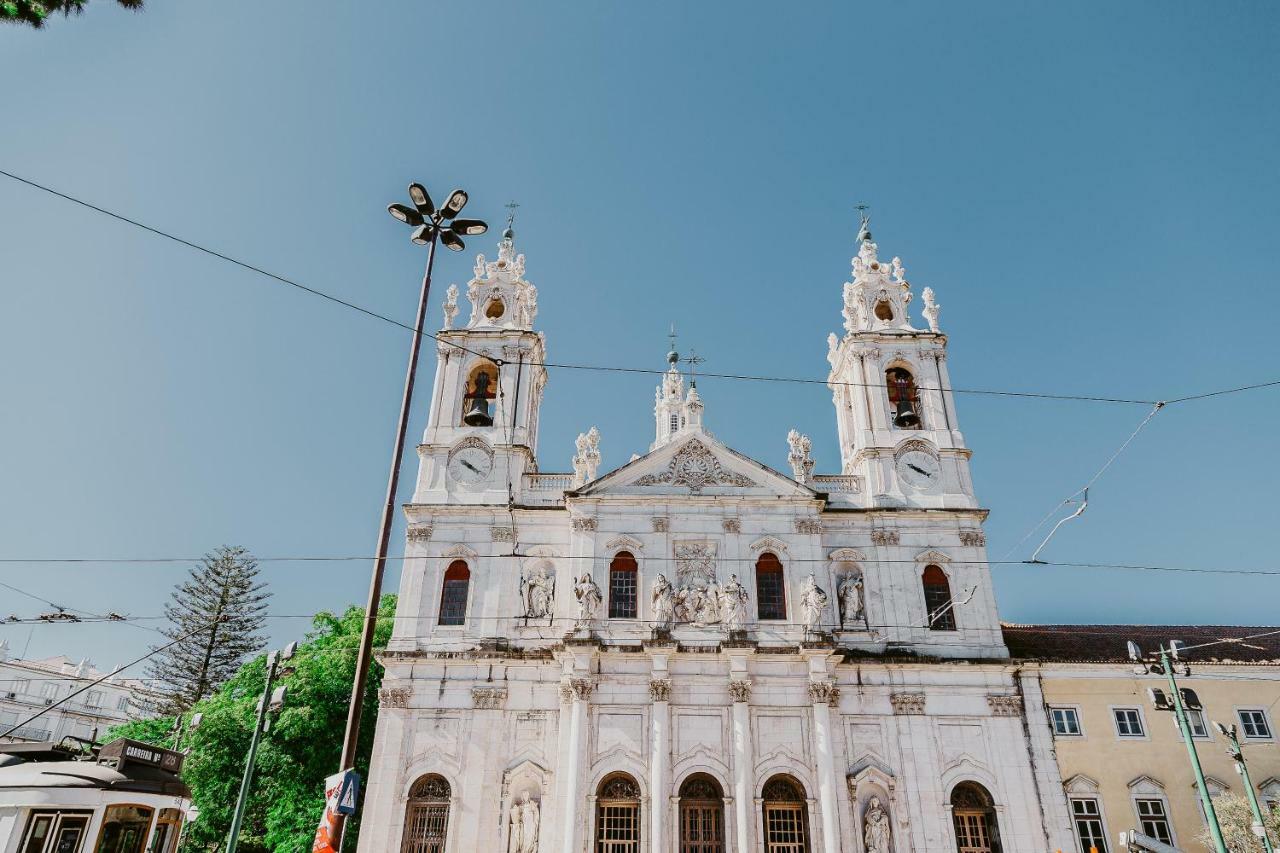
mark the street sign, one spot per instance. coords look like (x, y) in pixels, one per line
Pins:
(348, 793)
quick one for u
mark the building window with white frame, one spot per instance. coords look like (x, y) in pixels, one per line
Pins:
(1196, 721)
(1154, 819)
(1066, 722)
(1089, 829)
(1254, 723)
(1128, 722)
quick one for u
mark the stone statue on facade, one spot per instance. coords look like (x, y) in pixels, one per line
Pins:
(450, 305)
(663, 604)
(813, 600)
(733, 604)
(930, 310)
(538, 589)
(709, 610)
(876, 828)
(851, 601)
(525, 821)
(589, 598)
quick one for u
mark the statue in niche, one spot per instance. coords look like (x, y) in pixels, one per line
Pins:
(589, 598)
(733, 604)
(663, 604)
(851, 601)
(813, 600)
(876, 828)
(538, 589)
(525, 821)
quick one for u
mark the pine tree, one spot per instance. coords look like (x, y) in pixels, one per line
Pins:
(222, 604)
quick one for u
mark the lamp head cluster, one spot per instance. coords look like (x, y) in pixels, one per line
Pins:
(429, 221)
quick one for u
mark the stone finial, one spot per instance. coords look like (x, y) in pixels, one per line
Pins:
(930, 310)
(801, 462)
(450, 305)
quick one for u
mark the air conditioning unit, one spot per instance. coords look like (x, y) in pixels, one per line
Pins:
(48, 701)
(11, 695)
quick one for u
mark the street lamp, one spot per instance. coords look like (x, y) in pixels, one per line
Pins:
(430, 225)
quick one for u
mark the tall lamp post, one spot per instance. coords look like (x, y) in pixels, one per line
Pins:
(430, 225)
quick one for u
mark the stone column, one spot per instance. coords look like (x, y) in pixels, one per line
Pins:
(823, 695)
(575, 691)
(743, 764)
(660, 748)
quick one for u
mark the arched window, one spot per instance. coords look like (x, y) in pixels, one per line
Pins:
(618, 815)
(453, 593)
(481, 387)
(771, 589)
(426, 819)
(786, 820)
(974, 815)
(622, 586)
(701, 815)
(937, 599)
(904, 398)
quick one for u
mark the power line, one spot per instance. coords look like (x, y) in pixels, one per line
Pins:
(640, 558)
(559, 365)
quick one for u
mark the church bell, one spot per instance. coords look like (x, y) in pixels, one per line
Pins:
(906, 418)
(478, 414)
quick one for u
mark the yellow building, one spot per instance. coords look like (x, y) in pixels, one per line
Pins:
(1123, 763)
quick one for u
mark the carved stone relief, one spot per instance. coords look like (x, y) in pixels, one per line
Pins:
(695, 466)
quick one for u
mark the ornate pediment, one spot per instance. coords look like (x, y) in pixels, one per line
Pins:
(695, 466)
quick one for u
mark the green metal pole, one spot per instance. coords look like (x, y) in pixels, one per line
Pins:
(1181, 713)
(233, 837)
(1260, 825)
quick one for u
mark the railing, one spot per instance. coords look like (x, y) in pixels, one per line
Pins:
(548, 482)
(850, 483)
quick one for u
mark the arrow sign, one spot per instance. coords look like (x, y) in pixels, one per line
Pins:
(349, 793)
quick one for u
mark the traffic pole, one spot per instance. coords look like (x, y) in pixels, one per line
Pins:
(1185, 727)
(1237, 755)
(233, 838)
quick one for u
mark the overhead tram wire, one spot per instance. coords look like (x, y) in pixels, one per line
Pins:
(549, 364)
(649, 558)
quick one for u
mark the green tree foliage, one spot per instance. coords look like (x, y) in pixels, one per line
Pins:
(302, 747)
(36, 12)
(223, 606)
(1236, 819)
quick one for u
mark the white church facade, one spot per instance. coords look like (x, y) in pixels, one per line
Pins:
(695, 652)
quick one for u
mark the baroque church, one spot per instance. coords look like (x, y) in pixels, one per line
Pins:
(696, 652)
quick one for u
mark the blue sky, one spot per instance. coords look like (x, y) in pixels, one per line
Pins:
(1090, 189)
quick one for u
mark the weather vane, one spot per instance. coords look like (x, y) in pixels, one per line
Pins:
(864, 227)
(511, 217)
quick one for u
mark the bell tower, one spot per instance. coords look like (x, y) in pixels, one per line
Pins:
(482, 431)
(895, 411)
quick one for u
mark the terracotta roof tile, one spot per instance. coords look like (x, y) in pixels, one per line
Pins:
(1107, 642)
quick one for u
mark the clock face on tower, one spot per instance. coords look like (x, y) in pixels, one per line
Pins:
(920, 469)
(470, 464)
